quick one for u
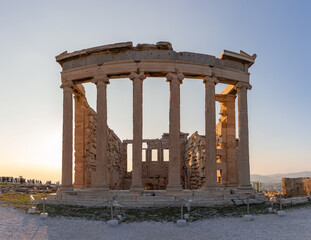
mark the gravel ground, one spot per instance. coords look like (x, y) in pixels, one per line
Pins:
(295, 225)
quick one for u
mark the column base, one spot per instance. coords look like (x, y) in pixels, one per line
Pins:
(80, 186)
(101, 188)
(229, 185)
(174, 187)
(210, 186)
(66, 188)
(245, 187)
(137, 188)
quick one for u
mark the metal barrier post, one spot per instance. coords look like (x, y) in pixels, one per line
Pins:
(111, 209)
(43, 204)
(182, 209)
(248, 206)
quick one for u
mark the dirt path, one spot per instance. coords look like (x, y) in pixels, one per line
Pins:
(295, 225)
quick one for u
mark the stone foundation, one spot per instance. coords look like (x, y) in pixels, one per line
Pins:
(156, 198)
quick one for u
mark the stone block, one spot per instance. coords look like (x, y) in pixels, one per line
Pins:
(181, 223)
(299, 200)
(286, 202)
(248, 217)
(43, 215)
(237, 202)
(113, 223)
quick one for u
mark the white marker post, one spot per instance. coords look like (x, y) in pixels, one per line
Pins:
(187, 215)
(33, 209)
(248, 217)
(281, 213)
(43, 215)
(270, 209)
(181, 222)
(112, 222)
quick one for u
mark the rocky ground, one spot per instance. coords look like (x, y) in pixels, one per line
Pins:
(295, 225)
(74, 222)
(27, 188)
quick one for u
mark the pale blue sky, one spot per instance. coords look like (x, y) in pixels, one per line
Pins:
(34, 32)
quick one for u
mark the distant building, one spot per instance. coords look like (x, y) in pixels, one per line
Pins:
(257, 186)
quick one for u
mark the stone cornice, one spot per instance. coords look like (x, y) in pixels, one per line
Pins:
(110, 47)
(162, 51)
(242, 57)
(119, 60)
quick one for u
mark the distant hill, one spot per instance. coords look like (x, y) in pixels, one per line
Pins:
(278, 177)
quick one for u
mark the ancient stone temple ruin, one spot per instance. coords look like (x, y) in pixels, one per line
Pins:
(210, 169)
(296, 187)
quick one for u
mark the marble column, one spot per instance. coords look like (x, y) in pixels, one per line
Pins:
(101, 181)
(228, 135)
(175, 79)
(243, 161)
(137, 79)
(79, 112)
(67, 136)
(210, 133)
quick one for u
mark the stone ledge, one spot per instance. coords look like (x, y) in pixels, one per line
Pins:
(127, 199)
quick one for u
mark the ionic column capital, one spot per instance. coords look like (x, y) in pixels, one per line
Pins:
(210, 81)
(101, 79)
(67, 85)
(243, 85)
(171, 77)
(137, 76)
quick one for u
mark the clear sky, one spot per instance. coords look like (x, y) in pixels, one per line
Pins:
(34, 32)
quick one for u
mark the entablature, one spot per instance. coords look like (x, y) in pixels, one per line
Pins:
(155, 60)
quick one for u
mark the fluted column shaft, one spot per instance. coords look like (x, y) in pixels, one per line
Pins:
(101, 182)
(210, 133)
(67, 136)
(137, 79)
(175, 80)
(243, 162)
